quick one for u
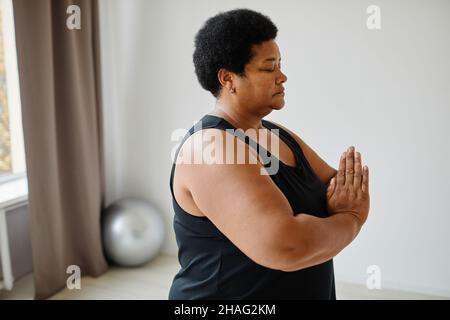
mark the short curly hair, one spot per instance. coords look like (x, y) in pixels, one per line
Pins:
(226, 41)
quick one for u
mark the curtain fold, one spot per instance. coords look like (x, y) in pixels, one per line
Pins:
(59, 72)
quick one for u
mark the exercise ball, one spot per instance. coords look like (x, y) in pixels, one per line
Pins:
(132, 232)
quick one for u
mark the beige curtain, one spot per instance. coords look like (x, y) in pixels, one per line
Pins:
(61, 104)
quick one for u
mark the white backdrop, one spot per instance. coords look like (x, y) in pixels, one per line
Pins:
(385, 91)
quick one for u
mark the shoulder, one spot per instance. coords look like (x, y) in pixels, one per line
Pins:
(210, 147)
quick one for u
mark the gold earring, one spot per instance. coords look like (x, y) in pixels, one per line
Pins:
(233, 90)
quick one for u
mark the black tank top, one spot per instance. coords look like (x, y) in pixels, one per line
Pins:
(212, 267)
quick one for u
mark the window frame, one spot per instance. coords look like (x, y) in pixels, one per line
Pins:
(13, 95)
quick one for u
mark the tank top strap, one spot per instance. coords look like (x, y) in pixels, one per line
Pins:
(240, 134)
(214, 122)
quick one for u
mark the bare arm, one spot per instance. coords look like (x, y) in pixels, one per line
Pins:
(348, 202)
(324, 239)
(253, 213)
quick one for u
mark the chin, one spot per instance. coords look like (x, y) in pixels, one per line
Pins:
(277, 106)
(278, 103)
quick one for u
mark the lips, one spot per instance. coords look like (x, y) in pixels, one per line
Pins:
(280, 92)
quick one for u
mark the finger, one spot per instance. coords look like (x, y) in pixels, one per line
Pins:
(340, 179)
(358, 172)
(349, 168)
(365, 180)
(331, 188)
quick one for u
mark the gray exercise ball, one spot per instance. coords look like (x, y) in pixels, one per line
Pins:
(133, 232)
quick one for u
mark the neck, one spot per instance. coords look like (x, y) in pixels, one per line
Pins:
(239, 119)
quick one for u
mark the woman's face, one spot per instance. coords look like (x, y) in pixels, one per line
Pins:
(260, 89)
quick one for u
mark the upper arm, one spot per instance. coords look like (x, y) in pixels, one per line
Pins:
(322, 169)
(246, 206)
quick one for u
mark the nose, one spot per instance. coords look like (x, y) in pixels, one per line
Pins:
(282, 79)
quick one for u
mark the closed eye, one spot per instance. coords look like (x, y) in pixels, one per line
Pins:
(271, 70)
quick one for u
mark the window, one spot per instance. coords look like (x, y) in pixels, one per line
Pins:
(12, 155)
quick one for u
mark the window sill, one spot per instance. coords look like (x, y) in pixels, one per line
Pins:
(14, 193)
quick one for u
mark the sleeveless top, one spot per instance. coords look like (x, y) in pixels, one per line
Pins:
(212, 267)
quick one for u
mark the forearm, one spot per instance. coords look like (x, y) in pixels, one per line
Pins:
(316, 240)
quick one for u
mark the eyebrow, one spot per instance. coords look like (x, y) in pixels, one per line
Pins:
(271, 59)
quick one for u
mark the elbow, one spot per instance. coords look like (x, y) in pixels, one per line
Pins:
(295, 259)
(296, 252)
(295, 247)
(304, 252)
(284, 258)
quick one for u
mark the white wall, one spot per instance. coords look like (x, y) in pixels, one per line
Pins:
(387, 92)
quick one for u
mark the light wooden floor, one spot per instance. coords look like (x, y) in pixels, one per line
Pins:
(153, 281)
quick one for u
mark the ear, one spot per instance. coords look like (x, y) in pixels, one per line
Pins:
(225, 78)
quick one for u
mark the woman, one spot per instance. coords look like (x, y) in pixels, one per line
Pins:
(242, 234)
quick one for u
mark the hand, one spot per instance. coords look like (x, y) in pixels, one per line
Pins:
(348, 191)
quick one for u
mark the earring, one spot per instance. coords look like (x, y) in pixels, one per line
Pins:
(233, 90)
